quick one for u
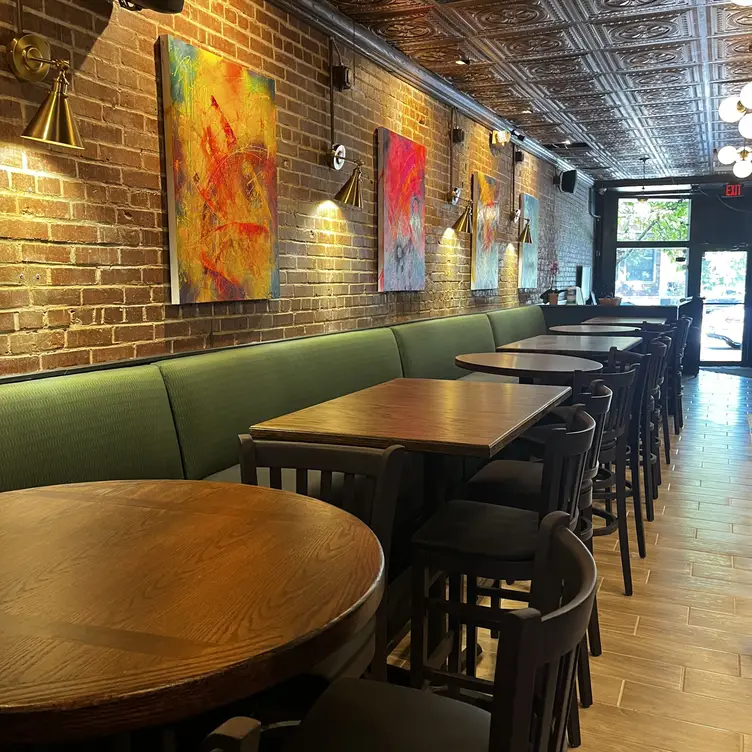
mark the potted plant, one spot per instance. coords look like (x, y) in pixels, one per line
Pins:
(551, 295)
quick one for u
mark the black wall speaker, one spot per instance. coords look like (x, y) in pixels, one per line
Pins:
(568, 181)
(161, 6)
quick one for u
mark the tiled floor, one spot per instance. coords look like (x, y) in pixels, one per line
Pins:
(676, 669)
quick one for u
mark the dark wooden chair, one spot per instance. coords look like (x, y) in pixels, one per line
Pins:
(364, 482)
(483, 537)
(650, 424)
(530, 696)
(675, 390)
(610, 484)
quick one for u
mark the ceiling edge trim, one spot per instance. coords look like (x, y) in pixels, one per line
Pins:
(378, 51)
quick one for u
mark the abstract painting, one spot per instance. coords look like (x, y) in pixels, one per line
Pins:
(528, 277)
(484, 272)
(220, 134)
(402, 213)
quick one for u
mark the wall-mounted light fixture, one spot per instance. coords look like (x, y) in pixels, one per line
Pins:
(350, 193)
(30, 58)
(526, 236)
(465, 221)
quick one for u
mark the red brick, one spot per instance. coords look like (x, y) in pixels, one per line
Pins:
(65, 359)
(89, 337)
(7, 322)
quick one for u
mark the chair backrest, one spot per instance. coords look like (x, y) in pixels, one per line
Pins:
(658, 349)
(539, 645)
(597, 403)
(564, 459)
(682, 334)
(364, 482)
(621, 376)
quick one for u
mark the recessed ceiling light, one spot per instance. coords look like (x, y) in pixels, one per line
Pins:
(462, 61)
(567, 142)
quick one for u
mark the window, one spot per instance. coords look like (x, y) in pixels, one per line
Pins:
(651, 276)
(652, 239)
(653, 219)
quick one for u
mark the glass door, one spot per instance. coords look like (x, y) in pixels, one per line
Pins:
(724, 283)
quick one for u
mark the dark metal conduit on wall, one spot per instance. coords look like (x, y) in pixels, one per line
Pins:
(378, 51)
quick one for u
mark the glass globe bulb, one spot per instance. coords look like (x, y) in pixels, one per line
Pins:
(745, 126)
(745, 97)
(743, 169)
(727, 155)
(729, 110)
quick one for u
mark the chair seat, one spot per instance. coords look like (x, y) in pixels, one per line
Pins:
(512, 483)
(474, 528)
(370, 716)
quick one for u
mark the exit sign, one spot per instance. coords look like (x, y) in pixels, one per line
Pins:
(733, 190)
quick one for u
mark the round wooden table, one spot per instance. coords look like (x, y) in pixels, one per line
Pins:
(135, 603)
(594, 329)
(526, 366)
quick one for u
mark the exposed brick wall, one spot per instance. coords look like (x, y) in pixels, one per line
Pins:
(83, 244)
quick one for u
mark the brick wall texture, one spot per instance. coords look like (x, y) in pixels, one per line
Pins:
(83, 236)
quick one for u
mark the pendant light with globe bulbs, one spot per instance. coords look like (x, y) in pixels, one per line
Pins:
(741, 159)
(738, 109)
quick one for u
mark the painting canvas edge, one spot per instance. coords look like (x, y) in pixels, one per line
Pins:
(172, 225)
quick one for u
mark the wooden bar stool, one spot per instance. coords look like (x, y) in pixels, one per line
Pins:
(531, 694)
(473, 540)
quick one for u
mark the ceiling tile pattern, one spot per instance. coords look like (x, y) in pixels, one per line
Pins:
(630, 78)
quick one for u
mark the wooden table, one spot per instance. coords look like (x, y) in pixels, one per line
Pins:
(127, 604)
(624, 320)
(594, 329)
(596, 346)
(526, 365)
(423, 415)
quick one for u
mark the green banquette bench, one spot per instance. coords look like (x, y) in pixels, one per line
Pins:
(180, 417)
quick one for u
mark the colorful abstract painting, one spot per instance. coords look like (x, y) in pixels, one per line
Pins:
(528, 276)
(220, 133)
(402, 213)
(484, 273)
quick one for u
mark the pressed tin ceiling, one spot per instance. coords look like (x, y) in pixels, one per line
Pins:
(630, 78)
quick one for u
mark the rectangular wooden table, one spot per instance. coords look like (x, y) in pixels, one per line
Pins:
(594, 346)
(467, 418)
(431, 416)
(624, 320)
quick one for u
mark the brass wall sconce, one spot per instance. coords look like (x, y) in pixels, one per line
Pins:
(526, 236)
(465, 221)
(350, 193)
(30, 59)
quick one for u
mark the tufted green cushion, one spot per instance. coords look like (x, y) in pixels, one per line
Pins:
(513, 324)
(428, 348)
(109, 425)
(216, 396)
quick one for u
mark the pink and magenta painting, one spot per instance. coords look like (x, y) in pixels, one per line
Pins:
(221, 130)
(402, 213)
(484, 272)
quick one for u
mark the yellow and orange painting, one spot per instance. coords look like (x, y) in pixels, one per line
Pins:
(220, 134)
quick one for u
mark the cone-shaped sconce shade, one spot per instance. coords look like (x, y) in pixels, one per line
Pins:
(465, 221)
(53, 122)
(349, 193)
(526, 236)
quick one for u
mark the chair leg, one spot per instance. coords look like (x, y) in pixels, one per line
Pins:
(455, 627)
(418, 621)
(573, 722)
(634, 466)
(594, 631)
(680, 405)
(675, 408)
(471, 631)
(666, 431)
(621, 504)
(621, 516)
(649, 471)
(495, 604)
(583, 676)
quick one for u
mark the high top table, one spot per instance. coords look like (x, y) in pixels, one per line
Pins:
(468, 418)
(527, 366)
(594, 329)
(138, 603)
(625, 320)
(431, 416)
(584, 346)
